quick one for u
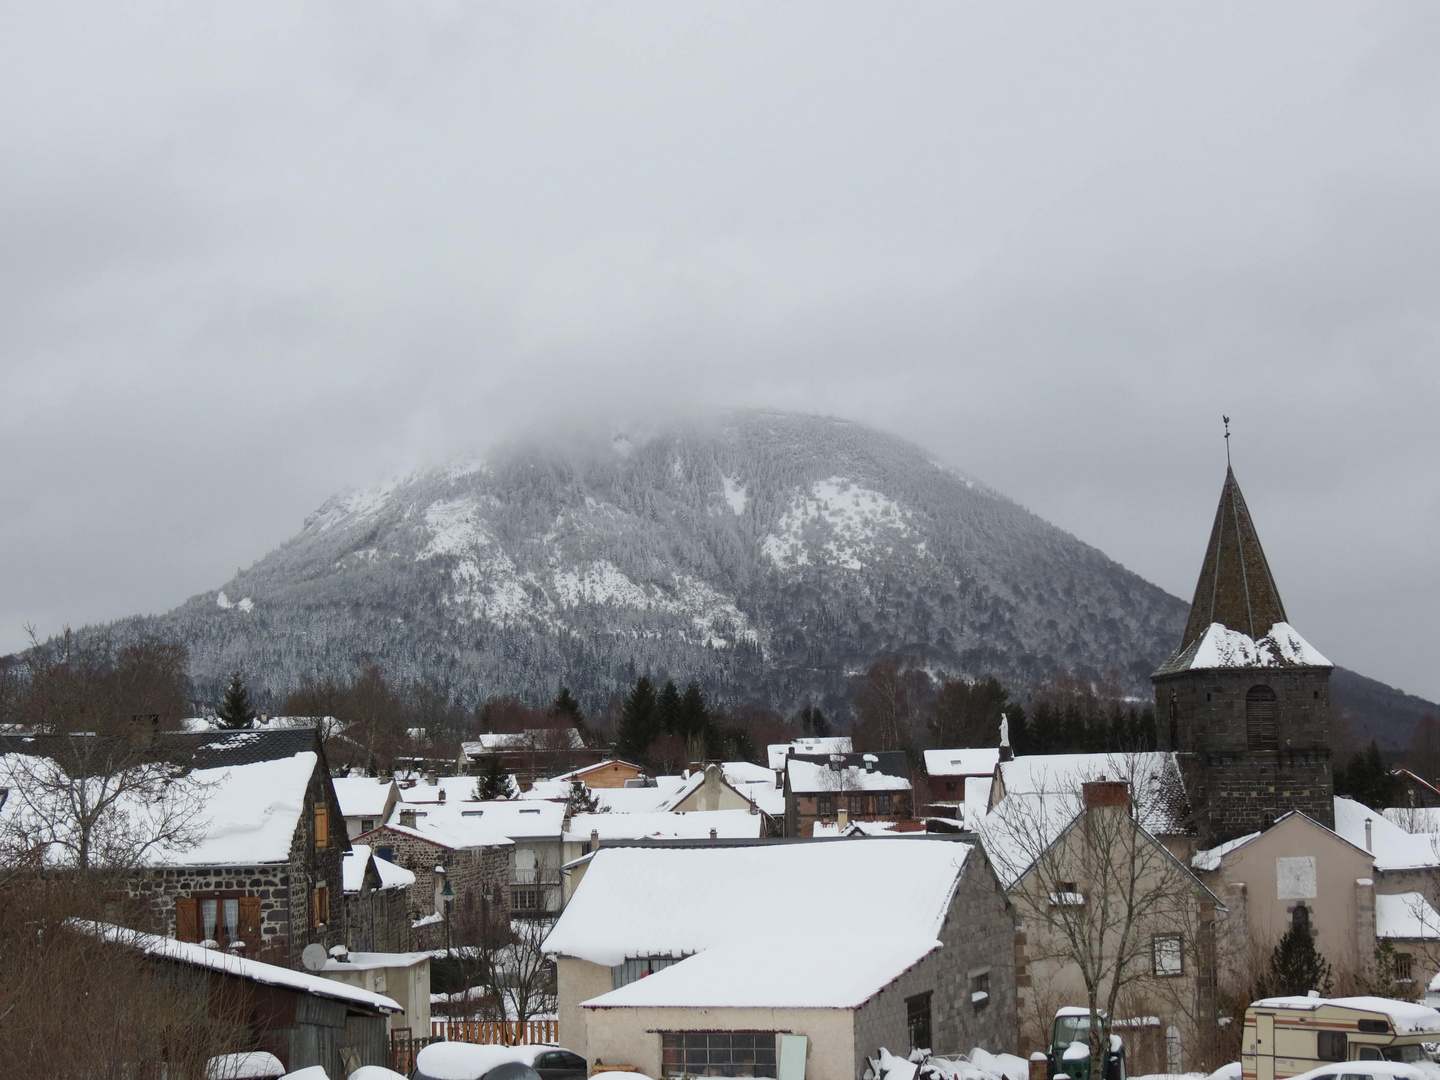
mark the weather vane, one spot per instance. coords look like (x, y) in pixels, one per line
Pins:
(1227, 439)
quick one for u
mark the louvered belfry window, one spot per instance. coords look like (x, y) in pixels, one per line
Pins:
(1261, 713)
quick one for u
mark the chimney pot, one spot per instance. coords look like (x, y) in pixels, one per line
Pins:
(842, 818)
(713, 834)
(1368, 846)
(442, 794)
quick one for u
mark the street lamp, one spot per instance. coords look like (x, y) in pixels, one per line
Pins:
(447, 894)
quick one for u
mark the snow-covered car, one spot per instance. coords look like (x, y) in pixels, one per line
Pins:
(1372, 1070)
(473, 1061)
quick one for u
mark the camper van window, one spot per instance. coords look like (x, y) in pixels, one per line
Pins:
(1378, 1027)
(1407, 1054)
(1332, 1046)
(1370, 1053)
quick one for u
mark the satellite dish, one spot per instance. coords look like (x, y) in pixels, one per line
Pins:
(313, 957)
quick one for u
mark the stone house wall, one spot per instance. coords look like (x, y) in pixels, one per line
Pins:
(284, 889)
(978, 936)
(476, 875)
(1236, 790)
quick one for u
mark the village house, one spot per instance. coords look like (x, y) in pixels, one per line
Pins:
(529, 755)
(365, 801)
(402, 976)
(867, 787)
(722, 957)
(819, 746)
(377, 902)
(260, 871)
(958, 781)
(304, 1020)
(1085, 863)
(610, 773)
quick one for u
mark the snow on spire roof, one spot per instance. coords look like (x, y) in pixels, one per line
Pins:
(1235, 588)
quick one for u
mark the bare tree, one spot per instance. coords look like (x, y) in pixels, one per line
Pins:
(1104, 906)
(96, 802)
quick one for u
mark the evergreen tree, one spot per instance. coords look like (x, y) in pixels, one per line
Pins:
(494, 782)
(1367, 779)
(813, 722)
(638, 723)
(566, 708)
(235, 710)
(694, 715)
(579, 800)
(1295, 967)
(667, 709)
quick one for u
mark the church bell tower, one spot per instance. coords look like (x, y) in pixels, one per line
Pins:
(1244, 699)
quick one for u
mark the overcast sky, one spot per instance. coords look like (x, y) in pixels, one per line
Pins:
(253, 253)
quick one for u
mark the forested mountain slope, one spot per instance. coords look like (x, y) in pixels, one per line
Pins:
(768, 556)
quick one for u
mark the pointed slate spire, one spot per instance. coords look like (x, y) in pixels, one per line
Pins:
(1235, 586)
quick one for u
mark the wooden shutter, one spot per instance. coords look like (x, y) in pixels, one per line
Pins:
(322, 825)
(250, 923)
(320, 905)
(187, 919)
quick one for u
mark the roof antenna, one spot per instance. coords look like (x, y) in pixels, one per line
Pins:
(1227, 439)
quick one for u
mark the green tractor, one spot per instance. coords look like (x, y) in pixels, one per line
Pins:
(1070, 1048)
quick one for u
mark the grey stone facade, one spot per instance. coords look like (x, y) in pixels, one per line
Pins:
(1233, 789)
(978, 936)
(477, 875)
(285, 890)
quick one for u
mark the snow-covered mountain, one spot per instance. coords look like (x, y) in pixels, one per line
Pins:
(765, 555)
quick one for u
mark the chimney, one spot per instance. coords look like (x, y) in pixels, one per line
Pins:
(1006, 753)
(430, 778)
(594, 839)
(842, 818)
(1368, 825)
(713, 834)
(407, 818)
(1106, 793)
(442, 794)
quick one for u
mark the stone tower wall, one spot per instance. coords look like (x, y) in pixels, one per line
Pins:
(1237, 790)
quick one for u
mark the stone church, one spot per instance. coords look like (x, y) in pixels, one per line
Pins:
(1244, 700)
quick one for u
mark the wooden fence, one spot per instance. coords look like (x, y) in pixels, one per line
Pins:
(507, 1032)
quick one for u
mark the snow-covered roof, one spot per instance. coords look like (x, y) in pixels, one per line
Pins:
(979, 761)
(460, 822)
(1392, 847)
(246, 1065)
(1210, 858)
(547, 789)
(747, 772)
(766, 924)
(187, 952)
(1414, 819)
(1406, 915)
(776, 753)
(580, 772)
(1155, 784)
(371, 961)
(352, 870)
(362, 796)
(639, 800)
(250, 813)
(1221, 647)
(695, 825)
(810, 777)
(541, 739)
(1405, 1016)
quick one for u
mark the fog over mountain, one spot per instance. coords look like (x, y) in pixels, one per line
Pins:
(769, 556)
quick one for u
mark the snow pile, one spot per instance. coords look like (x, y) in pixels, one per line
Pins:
(1392, 847)
(251, 1065)
(742, 948)
(979, 1064)
(1222, 647)
(1407, 916)
(735, 495)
